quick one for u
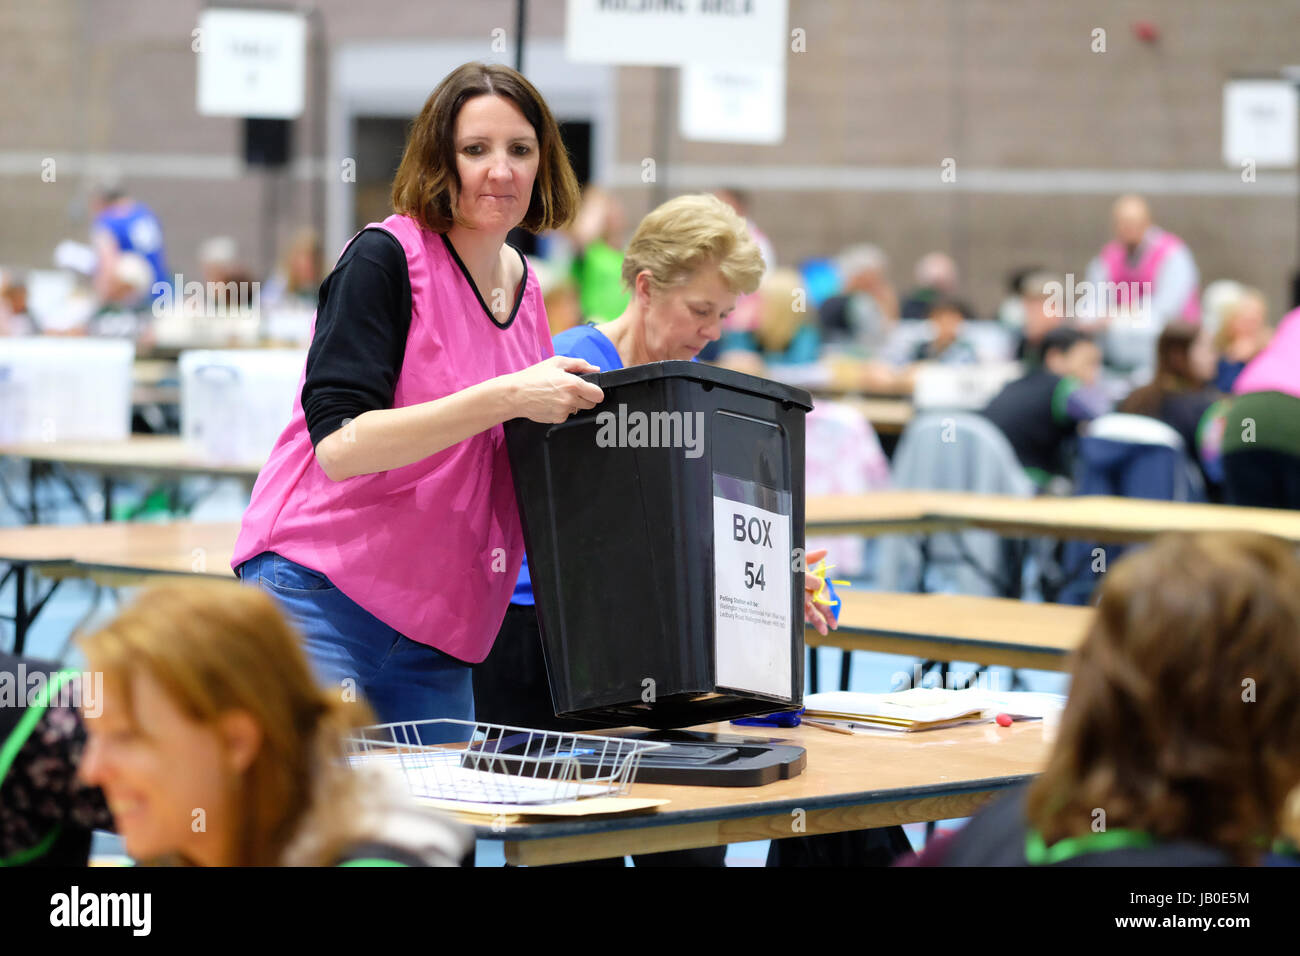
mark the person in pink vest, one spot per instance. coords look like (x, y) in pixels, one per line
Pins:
(1145, 253)
(385, 519)
(1261, 438)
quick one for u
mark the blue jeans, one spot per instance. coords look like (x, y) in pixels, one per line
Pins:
(401, 679)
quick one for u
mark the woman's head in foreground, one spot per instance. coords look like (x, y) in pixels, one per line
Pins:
(687, 262)
(1182, 719)
(214, 741)
(485, 153)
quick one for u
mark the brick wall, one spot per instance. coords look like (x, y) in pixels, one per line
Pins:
(892, 85)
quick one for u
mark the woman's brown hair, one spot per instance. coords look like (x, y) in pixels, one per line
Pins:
(1173, 373)
(1182, 719)
(215, 647)
(427, 186)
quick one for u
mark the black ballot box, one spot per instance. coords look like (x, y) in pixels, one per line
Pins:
(665, 535)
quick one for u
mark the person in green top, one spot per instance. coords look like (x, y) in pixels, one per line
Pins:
(1041, 412)
(597, 237)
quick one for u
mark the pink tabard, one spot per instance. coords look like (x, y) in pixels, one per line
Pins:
(1130, 277)
(432, 549)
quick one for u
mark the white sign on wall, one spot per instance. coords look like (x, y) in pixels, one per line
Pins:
(1259, 122)
(675, 32)
(742, 103)
(251, 63)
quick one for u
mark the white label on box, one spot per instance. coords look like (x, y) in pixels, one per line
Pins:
(751, 586)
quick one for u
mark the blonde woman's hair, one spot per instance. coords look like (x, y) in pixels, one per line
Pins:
(1228, 328)
(214, 647)
(688, 232)
(784, 309)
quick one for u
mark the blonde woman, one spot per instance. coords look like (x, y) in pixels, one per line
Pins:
(687, 263)
(1243, 335)
(215, 747)
(786, 332)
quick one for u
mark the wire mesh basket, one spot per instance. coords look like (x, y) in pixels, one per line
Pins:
(472, 762)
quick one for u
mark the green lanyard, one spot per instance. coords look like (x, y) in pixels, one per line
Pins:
(9, 753)
(1038, 853)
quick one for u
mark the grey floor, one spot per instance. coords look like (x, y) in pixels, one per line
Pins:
(81, 604)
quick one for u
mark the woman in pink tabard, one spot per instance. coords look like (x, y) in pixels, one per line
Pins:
(1261, 439)
(385, 519)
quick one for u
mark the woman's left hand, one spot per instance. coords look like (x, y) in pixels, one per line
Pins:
(818, 615)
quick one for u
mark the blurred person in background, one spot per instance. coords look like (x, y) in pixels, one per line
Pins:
(1041, 412)
(124, 311)
(121, 225)
(1244, 333)
(76, 303)
(14, 319)
(1011, 310)
(597, 238)
(936, 277)
(786, 333)
(865, 312)
(1182, 395)
(1217, 300)
(228, 282)
(946, 344)
(1261, 438)
(1040, 314)
(746, 315)
(560, 296)
(738, 200)
(296, 282)
(1142, 252)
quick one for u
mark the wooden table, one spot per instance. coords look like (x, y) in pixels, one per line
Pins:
(877, 513)
(114, 553)
(958, 627)
(888, 416)
(165, 457)
(1089, 517)
(850, 783)
(990, 631)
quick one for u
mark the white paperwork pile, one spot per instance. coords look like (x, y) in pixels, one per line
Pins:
(925, 708)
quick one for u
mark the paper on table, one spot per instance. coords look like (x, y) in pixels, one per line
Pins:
(925, 705)
(574, 808)
(438, 775)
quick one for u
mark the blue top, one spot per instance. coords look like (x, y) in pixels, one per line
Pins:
(1226, 374)
(584, 342)
(136, 229)
(803, 348)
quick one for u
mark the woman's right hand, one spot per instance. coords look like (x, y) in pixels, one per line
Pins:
(551, 391)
